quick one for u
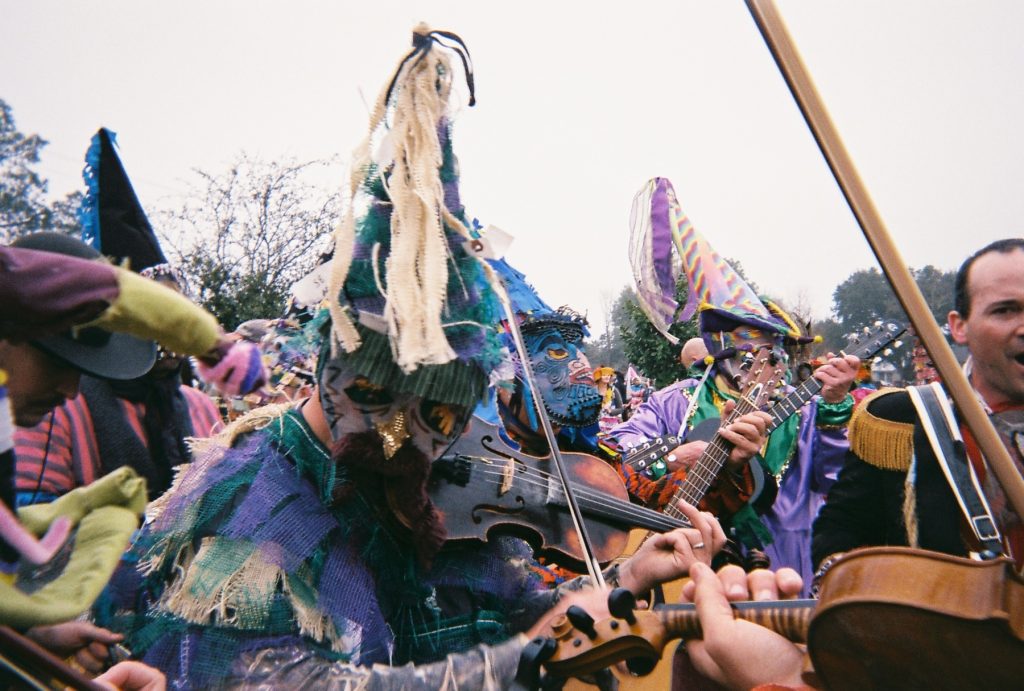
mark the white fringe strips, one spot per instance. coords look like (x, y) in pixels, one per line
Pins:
(417, 267)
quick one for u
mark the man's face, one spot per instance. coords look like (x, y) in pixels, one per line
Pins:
(564, 377)
(352, 405)
(37, 381)
(994, 329)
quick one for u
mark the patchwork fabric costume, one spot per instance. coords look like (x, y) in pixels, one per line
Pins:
(278, 560)
(804, 453)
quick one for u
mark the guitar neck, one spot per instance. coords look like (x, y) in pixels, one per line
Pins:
(794, 400)
(707, 467)
(788, 618)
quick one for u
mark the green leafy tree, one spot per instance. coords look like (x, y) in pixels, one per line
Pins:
(647, 349)
(23, 205)
(244, 236)
(608, 349)
(866, 297)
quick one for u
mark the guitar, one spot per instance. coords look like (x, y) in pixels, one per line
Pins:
(956, 623)
(864, 345)
(764, 378)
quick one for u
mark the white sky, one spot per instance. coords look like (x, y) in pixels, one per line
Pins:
(579, 104)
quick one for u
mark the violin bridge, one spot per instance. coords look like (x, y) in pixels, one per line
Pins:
(507, 476)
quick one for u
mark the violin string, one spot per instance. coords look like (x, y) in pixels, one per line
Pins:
(623, 509)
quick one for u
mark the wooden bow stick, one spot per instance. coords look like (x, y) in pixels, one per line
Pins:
(781, 45)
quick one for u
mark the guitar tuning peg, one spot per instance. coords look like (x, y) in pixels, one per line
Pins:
(866, 330)
(877, 322)
(887, 351)
(898, 343)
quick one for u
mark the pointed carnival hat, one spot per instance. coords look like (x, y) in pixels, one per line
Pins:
(412, 306)
(717, 293)
(113, 220)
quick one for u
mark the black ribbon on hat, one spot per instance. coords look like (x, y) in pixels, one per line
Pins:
(421, 45)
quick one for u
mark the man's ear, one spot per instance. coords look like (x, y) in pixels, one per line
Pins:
(957, 327)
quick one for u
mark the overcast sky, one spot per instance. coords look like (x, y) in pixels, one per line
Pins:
(579, 103)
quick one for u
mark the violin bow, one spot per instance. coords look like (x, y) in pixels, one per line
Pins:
(781, 45)
(593, 567)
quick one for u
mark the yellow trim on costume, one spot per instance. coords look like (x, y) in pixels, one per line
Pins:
(882, 443)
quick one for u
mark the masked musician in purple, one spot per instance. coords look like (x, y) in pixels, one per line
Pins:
(803, 454)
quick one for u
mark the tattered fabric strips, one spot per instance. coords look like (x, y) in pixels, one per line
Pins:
(414, 278)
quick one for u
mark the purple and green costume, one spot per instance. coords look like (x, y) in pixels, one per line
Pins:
(247, 559)
(805, 454)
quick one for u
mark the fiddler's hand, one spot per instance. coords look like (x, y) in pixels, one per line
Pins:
(668, 556)
(735, 653)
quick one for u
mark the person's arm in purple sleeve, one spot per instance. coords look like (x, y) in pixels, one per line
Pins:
(830, 447)
(42, 293)
(659, 415)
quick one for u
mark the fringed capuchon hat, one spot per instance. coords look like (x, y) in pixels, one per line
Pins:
(717, 293)
(568, 404)
(412, 307)
(113, 221)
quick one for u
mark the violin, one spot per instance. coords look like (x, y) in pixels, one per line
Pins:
(483, 486)
(887, 616)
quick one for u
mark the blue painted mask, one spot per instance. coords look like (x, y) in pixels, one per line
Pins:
(564, 376)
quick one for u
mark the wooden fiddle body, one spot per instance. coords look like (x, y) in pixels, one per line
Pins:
(482, 485)
(888, 617)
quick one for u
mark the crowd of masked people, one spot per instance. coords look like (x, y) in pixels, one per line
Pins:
(291, 504)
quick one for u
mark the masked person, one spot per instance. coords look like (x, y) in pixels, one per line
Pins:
(64, 313)
(300, 548)
(804, 453)
(143, 422)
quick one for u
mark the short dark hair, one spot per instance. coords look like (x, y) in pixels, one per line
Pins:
(962, 301)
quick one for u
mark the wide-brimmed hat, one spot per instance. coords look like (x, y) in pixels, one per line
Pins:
(92, 350)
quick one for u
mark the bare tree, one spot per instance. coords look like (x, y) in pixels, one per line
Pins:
(244, 236)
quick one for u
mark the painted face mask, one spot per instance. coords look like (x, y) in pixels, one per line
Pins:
(389, 439)
(353, 405)
(563, 373)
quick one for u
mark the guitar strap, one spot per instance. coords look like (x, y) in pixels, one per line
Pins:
(936, 416)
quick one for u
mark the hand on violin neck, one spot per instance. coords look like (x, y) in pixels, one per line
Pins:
(735, 653)
(669, 556)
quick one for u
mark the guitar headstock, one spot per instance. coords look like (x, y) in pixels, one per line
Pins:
(763, 377)
(871, 340)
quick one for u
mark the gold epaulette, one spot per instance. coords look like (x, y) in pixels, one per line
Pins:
(882, 443)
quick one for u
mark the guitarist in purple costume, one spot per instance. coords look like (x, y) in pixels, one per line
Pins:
(804, 453)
